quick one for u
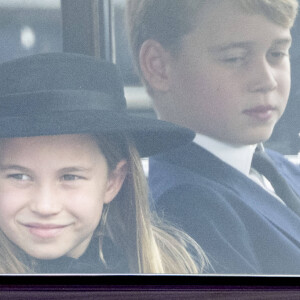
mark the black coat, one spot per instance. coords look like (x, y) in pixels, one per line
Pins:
(88, 263)
(241, 227)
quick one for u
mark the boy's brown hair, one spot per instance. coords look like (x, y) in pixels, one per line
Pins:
(167, 21)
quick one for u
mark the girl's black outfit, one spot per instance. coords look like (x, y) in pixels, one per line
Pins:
(88, 263)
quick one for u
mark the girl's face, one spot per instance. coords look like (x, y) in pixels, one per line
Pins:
(52, 191)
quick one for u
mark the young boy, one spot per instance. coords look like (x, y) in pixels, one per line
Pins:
(222, 69)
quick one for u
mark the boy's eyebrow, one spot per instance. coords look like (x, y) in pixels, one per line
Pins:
(247, 44)
(287, 41)
(230, 45)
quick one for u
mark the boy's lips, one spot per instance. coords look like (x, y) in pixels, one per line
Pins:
(260, 112)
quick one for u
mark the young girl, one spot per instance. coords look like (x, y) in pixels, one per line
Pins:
(73, 196)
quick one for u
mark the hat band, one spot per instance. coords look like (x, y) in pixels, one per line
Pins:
(59, 101)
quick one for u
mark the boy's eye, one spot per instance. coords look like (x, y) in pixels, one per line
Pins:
(20, 177)
(233, 56)
(233, 60)
(278, 55)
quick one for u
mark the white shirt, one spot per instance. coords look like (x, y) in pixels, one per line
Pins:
(238, 157)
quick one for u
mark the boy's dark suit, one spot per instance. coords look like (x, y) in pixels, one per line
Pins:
(240, 226)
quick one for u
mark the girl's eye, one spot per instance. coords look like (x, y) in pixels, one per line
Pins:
(20, 177)
(70, 177)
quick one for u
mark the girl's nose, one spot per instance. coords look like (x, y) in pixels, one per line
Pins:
(45, 200)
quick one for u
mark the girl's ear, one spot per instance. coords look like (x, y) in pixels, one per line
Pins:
(154, 64)
(115, 181)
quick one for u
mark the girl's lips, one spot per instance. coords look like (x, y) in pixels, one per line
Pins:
(261, 112)
(45, 231)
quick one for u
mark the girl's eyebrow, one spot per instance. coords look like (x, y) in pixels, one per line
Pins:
(24, 169)
(13, 167)
(75, 169)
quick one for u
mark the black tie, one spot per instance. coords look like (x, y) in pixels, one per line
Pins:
(262, 163)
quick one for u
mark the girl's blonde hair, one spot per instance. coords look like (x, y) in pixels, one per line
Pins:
(150, 245)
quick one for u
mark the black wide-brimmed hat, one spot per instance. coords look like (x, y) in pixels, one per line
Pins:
(64, 93)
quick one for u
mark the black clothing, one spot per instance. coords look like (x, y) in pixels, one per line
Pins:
(88, 263)
(242, 228)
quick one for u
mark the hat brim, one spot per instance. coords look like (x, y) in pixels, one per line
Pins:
(151, 136)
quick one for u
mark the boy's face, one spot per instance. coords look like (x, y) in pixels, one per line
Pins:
(52, 191)
(231, 80)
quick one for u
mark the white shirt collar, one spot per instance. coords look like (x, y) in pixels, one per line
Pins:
(239, 157)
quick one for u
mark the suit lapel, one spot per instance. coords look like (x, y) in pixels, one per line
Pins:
(209, 167)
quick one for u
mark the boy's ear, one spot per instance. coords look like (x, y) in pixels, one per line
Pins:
(154, 64)
(115, 181)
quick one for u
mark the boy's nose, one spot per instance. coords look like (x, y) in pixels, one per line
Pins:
(262, 78)
(45, 201)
